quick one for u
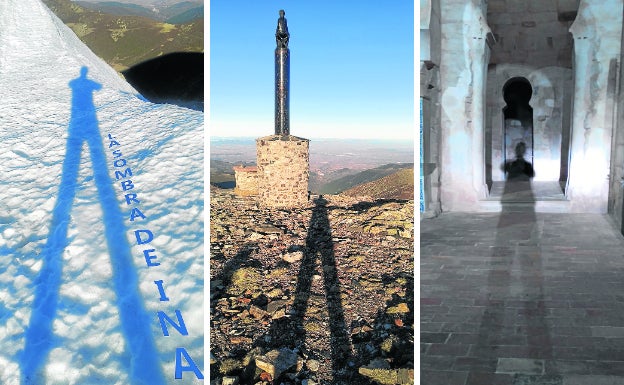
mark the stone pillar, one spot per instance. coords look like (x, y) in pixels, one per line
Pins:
(282, 84)
(462, 72)
(430, 51)
(597, 43)
(283, 171)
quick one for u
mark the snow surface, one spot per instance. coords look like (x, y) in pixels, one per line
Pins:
(78, 302)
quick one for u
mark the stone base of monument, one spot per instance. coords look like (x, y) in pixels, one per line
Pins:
(283, 171)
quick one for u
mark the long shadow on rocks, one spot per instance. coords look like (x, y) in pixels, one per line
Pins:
(514, 341)
(289, 331)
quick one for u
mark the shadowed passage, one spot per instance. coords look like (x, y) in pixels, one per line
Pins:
(143, 365)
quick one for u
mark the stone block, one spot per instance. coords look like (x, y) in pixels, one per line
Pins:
(229, 380)
(293, 257)
(277, 362)
(520, 365)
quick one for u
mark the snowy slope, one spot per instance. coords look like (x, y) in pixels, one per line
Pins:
(92, 285)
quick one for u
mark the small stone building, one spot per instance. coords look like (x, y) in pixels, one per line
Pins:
(246, 180)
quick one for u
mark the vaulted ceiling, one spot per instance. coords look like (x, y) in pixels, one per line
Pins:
(532, 32)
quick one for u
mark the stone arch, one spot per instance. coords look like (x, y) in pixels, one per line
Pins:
(551, 118)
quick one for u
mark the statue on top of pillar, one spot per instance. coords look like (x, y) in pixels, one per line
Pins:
(281, 32)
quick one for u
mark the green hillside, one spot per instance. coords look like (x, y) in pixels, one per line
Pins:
(398, 185)
(349, 181)
(123, 41)
(318, 179)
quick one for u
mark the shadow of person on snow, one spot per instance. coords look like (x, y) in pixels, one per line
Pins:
(143, 364)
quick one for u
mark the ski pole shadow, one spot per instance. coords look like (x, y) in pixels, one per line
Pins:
(143, 364)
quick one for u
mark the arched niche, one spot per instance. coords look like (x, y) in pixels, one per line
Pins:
(517, 117)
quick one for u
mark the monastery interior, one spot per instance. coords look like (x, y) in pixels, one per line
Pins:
(494, 73)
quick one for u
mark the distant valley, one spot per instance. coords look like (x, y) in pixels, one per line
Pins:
(178, 13)
(336, 166)
(125, 34)
(370, 177)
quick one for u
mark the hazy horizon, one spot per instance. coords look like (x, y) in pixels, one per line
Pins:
(253, 138)
(142, 2)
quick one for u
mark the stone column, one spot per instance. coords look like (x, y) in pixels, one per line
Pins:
(282, 159)
(462, 72)
(282, 84)
(597, 43)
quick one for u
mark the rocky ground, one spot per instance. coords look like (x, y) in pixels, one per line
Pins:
(318, 295)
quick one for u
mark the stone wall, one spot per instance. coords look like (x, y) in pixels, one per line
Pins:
(463, 66)
(597, 32)
(283, 169)
(246, 180)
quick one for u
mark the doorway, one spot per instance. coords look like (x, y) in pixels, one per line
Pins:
(518, 118)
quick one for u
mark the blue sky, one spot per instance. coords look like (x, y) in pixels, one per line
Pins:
(351, 68)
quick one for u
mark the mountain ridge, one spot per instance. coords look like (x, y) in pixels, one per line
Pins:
(178, 13)
(123, 41)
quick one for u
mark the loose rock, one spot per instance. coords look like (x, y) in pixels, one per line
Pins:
(313, 365)
(293, 257)
(400, 308)
(229, 380)
(276, 362)
(257, 313)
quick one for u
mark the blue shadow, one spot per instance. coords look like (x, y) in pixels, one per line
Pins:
(143, 365)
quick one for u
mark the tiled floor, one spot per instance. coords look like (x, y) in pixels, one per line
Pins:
(521, 298)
